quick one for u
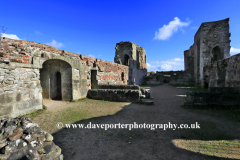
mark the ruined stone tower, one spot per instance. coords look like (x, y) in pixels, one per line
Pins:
(211, 44)
(134, 56)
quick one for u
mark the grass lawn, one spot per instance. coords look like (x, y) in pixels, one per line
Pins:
(218, 148)
(82, 109)
(191, 88)
(149, 85)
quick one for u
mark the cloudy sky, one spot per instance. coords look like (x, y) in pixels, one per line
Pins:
(163, 28)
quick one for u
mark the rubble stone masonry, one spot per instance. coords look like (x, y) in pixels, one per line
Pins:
(30, 71)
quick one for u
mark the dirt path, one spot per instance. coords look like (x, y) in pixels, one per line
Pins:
(143, 143)
(55, 105)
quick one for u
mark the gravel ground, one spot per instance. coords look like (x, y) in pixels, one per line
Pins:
(122, 144)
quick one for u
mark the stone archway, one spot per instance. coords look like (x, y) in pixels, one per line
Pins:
(56, 80)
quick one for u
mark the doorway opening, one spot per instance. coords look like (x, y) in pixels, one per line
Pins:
(56, 86)
(94, 83)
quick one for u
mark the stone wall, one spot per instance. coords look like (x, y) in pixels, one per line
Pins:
(153, 79)
(211, 43)
(134, 56)
(224, 73)
(182, 78)
(20, 89)
(117, 95)
(222, 97)
(30, 71)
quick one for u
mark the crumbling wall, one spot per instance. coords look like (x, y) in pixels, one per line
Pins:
(189, 61)
(211, 43)
(153, 79)
(224, 73)
(134, 56)
(108, 72)
(222, 97)
(119, 93)
(182, 78)
(21, 85)
(20, 89)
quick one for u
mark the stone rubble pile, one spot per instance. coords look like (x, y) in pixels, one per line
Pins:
(20, 138)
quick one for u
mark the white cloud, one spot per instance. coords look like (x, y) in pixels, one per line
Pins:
(12, 36)
(173, 64)
(234, 50)
(175, 61)
(151, 68)
(167, 30)
(166, 67)
(90, 55)
(55, 44)
(38, 33)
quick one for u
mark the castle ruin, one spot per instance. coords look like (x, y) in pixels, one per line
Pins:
(31, 71)
(208, 62)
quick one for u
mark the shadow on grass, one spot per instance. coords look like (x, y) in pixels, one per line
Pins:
(230, 114)
(134, 144)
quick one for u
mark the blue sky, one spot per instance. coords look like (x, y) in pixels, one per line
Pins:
(163, 28)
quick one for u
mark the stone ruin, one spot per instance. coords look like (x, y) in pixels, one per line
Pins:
(31, 71)
(208, 62)
(134, 56)
(20, 138)
(122, 93)
(215, 97)
(211, 47)
(153, 79)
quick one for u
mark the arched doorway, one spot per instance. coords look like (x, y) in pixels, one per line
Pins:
(56, 80)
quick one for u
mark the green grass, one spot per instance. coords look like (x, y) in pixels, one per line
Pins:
(76, 111)
(34, 114)
(218, 148)
(191, 88)
(149, 85)
(210, 140)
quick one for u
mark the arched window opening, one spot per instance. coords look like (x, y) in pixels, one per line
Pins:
(123, 76)
(217, 55)
(126, 60)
